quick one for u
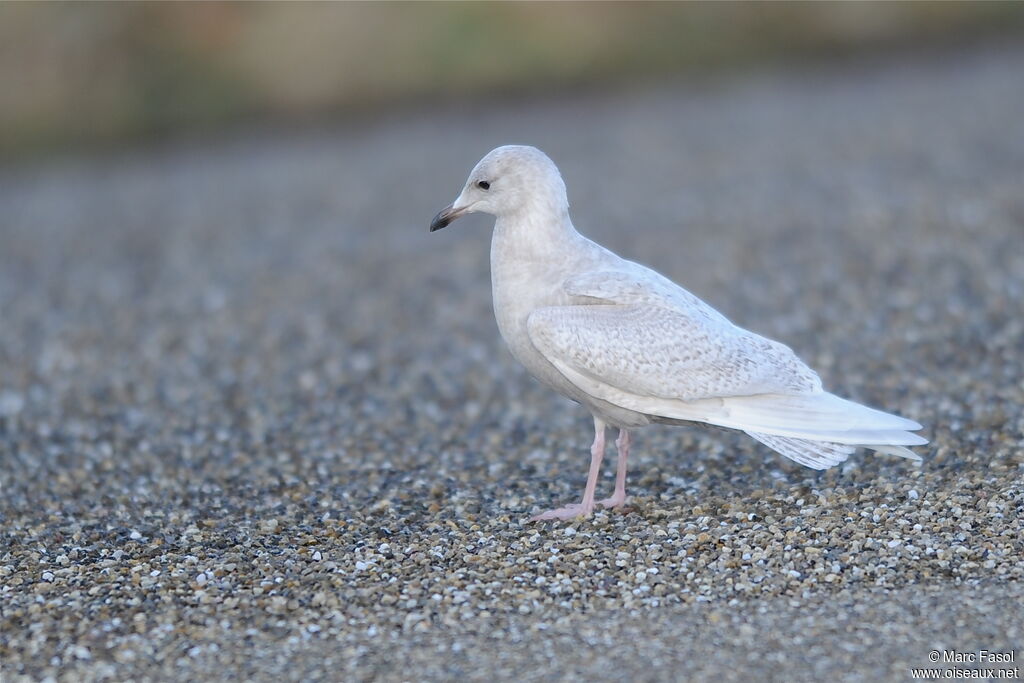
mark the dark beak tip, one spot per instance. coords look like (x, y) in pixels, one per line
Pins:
(441, 220)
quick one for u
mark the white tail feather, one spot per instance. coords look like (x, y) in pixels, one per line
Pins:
(899, 451)
(820, 455)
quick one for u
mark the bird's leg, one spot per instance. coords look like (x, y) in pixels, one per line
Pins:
(618, 498)
(585, 508)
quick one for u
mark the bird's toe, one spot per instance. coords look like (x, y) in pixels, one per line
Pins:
(614, 502)
(571, 511)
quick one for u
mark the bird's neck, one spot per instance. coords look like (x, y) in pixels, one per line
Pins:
(535, 233)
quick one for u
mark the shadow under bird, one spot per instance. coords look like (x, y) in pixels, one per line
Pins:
(634, 347)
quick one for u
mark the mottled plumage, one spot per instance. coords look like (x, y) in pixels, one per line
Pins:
(634, 347)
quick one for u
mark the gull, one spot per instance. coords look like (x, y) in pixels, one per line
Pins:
(635, 348)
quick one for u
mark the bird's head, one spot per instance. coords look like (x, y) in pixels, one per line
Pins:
(506, 181)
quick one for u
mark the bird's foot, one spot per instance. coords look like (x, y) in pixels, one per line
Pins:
(615, 502)
(570, 511)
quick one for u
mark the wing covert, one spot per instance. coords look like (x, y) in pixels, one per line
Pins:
(652, 350)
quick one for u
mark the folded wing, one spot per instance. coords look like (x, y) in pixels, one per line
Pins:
(657, 352)
(661, 351)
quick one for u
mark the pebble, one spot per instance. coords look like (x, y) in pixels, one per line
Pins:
(11, 403)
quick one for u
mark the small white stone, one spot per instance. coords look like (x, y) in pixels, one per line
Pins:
(201, 578)
(10, 403)
(317, 556)
(912, 494)
(134, 535)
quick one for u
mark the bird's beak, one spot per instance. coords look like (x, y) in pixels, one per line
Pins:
(446, 216)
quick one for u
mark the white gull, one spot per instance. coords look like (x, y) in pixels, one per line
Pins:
(634, 347)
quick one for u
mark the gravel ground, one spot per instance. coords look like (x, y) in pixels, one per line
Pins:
(257, 423)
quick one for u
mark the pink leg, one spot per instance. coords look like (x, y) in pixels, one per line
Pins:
(586, 508)
(618, 498)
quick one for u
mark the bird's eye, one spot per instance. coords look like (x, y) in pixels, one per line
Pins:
(484, 185)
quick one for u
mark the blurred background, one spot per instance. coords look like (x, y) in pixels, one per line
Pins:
(93, 75)
(234, 364)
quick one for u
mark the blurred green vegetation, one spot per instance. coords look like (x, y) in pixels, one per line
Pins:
(94, 74)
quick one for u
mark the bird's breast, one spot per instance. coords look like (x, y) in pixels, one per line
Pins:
(517, 291)
(519, 286)
(522, 284)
